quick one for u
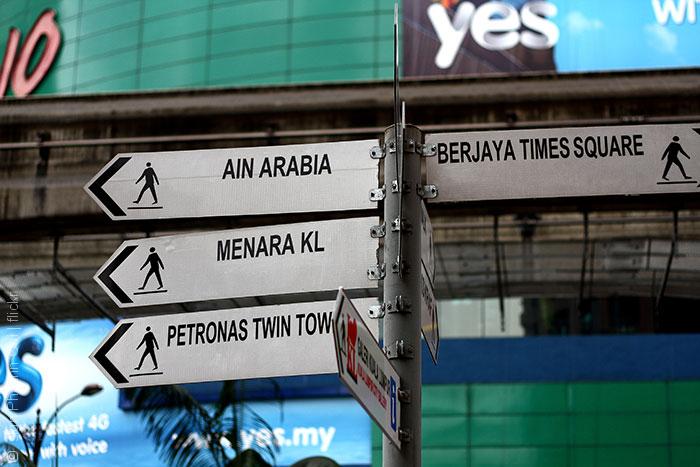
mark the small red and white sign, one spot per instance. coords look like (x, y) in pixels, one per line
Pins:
(364, 368)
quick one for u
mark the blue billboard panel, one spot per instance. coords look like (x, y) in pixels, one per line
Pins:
(335, 428)
(604, 35)
(457, 37)
(94, 430)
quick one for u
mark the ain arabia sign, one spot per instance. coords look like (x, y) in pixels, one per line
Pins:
(15, 69)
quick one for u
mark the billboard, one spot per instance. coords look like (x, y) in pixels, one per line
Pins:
(66, 47)
(459, 37)
(96, 431)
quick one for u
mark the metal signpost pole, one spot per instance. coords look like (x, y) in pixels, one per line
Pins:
(402, 327)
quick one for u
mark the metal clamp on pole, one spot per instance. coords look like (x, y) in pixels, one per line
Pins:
(378, 194)
(376, 273)
(404, 395)
(400, 305)
(427, 191)
(406, 188)
(405, 435)
(429, 150)
(376, 152)
(400, 225)
(376, 311)
(399, 267)
(411, 146)
(378, 231)
(400, 350)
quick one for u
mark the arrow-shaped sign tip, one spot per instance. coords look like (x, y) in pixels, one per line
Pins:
(104, 277)
(96, 187)
(100, 355)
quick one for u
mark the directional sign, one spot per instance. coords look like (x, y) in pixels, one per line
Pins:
(258, 342)
(364, 368)
(271, 260)
(566, 162)
(241, 181)
(429, 314)
(427, 248)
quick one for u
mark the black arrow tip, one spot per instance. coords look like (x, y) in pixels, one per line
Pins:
(108, 282)
(96, 187)
(101, 354)
(697, 130)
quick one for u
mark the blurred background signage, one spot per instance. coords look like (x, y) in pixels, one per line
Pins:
(101, 430)
(69, 47)
(453, 37)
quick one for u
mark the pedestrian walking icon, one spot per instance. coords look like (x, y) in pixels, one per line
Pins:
(150, 345)
(155, 265)
(672, 157)
(150, 180)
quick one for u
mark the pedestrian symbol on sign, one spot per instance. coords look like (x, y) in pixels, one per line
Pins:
(672, 157)
(155, 265)
(150, 345)
(150, 181)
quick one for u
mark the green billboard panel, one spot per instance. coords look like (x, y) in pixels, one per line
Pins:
(71, 47)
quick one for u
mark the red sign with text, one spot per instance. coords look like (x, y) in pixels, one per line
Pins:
(14, 68)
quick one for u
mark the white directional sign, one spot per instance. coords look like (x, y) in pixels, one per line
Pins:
(240, 181)
(365, 370)
(429, 314)
(270, 260)
(258, 342)
(566, 162)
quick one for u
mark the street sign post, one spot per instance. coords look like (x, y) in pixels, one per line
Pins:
(365, 370)
(566, 162)
(235, 182)
(258, 342)
(270, 260)
(402, 284)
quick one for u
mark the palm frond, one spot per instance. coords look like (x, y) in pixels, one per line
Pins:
(179, 426)
(187, 434)
(279, 396)
(271, 449)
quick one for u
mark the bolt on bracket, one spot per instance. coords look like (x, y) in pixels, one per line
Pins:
(376, 273)
(376, 152)
(395, 187)
(429, 150)
(378, 194)
(405, 435)
(404, 395)
(411, 146)
(400, 225)
(399, 349)
(378, 231)
(396, 267)
(376, 311)
(427, 191)
(399, 305)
